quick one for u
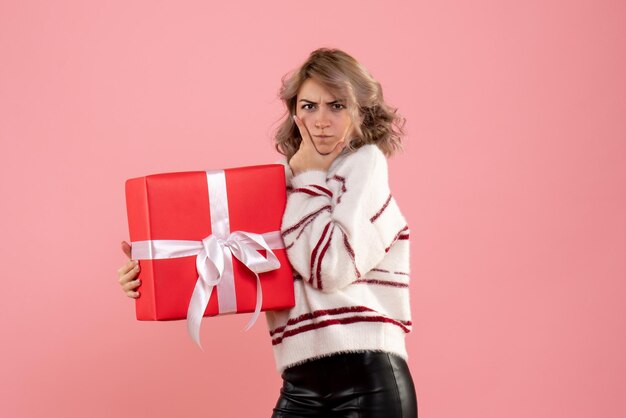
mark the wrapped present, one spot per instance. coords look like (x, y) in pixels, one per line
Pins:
(209, 243)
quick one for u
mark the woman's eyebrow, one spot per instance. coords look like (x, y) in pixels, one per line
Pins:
(328, 103)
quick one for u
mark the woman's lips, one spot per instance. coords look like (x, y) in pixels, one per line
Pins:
(323, 141)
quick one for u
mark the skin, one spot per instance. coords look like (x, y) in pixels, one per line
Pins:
(128, 274)
(318, 112)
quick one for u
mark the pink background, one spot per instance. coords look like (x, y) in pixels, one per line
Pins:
(513, 182)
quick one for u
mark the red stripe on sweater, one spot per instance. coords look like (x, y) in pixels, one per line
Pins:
(304, 219)
(380, 212)
(314, 253)
(346, 243)
(307, 191)
(381, 282)
(340, 179)
(319, 262)
(321, 312)
(396, 238)
(340, 321)
(387, 271)
(323, 189)
(329, 312)
(305, 225)
(343, 186)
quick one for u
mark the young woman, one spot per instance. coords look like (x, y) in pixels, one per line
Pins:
(341, 350)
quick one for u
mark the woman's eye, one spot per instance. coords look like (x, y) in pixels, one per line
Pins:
(338, 106)
(307, 106)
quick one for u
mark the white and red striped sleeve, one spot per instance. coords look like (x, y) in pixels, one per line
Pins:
(334, 238)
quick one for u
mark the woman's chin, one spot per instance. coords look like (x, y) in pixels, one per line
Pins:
(325, 149)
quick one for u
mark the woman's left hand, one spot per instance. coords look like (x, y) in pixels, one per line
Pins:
(307, 157)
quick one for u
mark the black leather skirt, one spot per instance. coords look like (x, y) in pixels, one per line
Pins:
(350, 385)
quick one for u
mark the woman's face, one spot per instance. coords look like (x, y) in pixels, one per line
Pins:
(325, 116)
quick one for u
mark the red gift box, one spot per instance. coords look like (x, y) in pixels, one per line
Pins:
(215, 212)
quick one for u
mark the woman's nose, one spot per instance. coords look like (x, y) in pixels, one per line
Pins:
(322, 123)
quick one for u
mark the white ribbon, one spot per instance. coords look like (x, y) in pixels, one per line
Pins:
(214, 258)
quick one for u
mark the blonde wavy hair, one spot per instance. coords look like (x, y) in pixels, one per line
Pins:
(374, 121)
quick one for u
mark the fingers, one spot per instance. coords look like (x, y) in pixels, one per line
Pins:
(130, 287)
(338, 148)
(128, 278)
(342, 143)
(128, 267)
(307, 143)
(304, 132)
(128, 274)
(126, 248)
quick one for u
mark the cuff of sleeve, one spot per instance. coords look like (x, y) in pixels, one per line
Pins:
(309, 177)
(288, 173)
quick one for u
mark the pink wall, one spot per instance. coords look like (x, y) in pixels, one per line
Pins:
(513, 182)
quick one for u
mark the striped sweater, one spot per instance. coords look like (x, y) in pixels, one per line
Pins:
(348, 244)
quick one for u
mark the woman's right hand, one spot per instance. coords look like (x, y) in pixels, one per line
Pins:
(308, 157)
(128, 273)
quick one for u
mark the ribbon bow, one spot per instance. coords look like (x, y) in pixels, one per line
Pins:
(212, 262)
